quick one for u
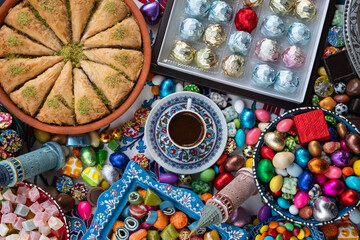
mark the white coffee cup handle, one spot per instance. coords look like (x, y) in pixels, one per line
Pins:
(188, 105)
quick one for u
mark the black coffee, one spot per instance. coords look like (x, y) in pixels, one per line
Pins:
(186, 129)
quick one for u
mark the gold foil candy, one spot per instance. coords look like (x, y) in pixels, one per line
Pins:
(282, 7)
(206, 59)
(182, 52)
(233, 66)
(253, 3)
(305, 10)
(214, 35)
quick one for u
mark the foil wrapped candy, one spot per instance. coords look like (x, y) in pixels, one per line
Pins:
(233, 66)
(206, 59)
(273, 27)
(214, 35)
(182, 52)
(191, 29)
(267, 50)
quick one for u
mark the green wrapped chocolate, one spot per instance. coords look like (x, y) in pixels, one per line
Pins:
(169, 233)
(283, 134)
(338, 19)
(331, 120)
(200, 187)
(265, 170)
(288, 196)
(101, 156)
(88, 156)
(153, 235)
(290, 143)
(315, 100)
(192, 88)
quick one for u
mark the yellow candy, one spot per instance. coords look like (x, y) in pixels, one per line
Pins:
(264, 228)
(249, 163)
(293, 238)
(322, 71)
(213, 235)
(356, 167)
(105, 185)
(301, 234)
(258, 237)
(276, 183)
(256, 221)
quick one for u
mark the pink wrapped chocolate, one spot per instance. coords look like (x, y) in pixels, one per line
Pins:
(6, 207)
(18, 223)
(52, 210)
(9, 196)
(41, 219)
(293, 57)
(23, 190)
(36, 208)
(20, 199)
(24, 236)
(34, 194)
(34, 235)
(8, 218)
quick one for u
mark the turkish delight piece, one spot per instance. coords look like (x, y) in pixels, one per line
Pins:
(55, 223)
(43, 237)
(20, 199)
(59, 233)
(9, 196)
(34, 194)
(46, 204)
(21, 210)
(36, 208)
(52, 210)
(24, 236)
(45, 230)
(1, 196)
(18, 223)
(23, 190)
(6, 207)
(8, 218)
(29, 225)
(41, 219)
(3, 229)
(13, 237)
(34, 235)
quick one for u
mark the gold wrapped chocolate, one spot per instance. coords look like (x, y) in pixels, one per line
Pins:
(253, 3)
(282, 7)
(206, 59)
(214, 35)
(233, 66)
(305, 10)
(182, 52)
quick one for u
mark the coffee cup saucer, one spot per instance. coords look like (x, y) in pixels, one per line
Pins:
(185, 161)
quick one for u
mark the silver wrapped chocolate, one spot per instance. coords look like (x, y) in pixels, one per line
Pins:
(286, 82)
(263, 75)
(182, 52)
(233, 66)
(282, 7)
(267, 50)
(305, 10)
(191, 29)
(253, 3)
(214, 35)
(240, 42)
(220, 12)
(197, 8)
(293, 57)
(298, 34)
(273, 27)
(206, 59)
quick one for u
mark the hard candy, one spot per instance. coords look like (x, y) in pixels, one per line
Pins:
(262, 125)
(338, 19)
(72, 168)
(267, 152)
(290, 143)
(341, 98)
(273, 27)
(301, 199)
(240, 42)
(191, 29)
(315, 192)
(166, 88)
(233, 66)
(182, 52)
(253, 136)
(79, 191)
(353, 142)
(197, 8)
(264, 213)
(240, 138)
(185, 179)
(306, 212)
(315, 148)
(240, 217)
(323, 87)
(284, 125)
(231, 129)
(353, 182)
(353, 87)
(64, 184)
(178, 87)
(324, 209)
(267, 50)
(214, 35)
(200, 187)
(334, 173)
(293, 210)
(341, 109)
(328, 103)
(276, 183)
(265, 170)
(274, 141)
(208, 175)
(206, 59)
(247, 118)
(285, 204)
(92, 175)
(248, 151)
(294, 170)
(306, 181)
(84, 210)
(282, 160)
(286, 81)
(330, 147)
(220, 12)
(230, 113)
(119, 160)
(253, 3)
(340, 88)
(354, 216)
(293, 57)
(333, 188)
(330, 50)
(169, 178)
(348, 231)
(239, 105)
(219, 99)
(246, 20)
(230, 146)
(263, 75)
(262, 115)
(281, 172)
(336, 36)
(222, 180)
(298, 34)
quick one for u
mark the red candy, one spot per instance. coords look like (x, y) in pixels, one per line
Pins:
(348, 198)
(287, 235)
(296, 231)
(138, 211)
(222, 180)
(272, 232)
(267, 153)
(246, 20)
(277, 194)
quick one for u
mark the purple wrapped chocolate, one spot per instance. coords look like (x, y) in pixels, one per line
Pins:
(341, 158)
(333, 188)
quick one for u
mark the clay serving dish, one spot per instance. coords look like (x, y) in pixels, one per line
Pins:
(5, 100)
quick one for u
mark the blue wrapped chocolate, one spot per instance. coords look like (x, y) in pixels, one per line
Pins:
(336, 37)
(263, 75)
(273, 27)
(286, 82)
(191, 29)
(220, 12)
(298, 34)
(240, 42)
(197, 8)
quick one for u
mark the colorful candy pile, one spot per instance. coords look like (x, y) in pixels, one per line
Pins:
(10, 141)
(26, 213)
(308, 164)
(283, 230)
(147, 216)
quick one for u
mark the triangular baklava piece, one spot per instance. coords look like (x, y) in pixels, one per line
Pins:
(80, 12)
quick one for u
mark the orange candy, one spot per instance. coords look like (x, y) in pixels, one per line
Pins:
(205, 197)
(142, 192)
(222, 159)
(307, 231)
(273, 225)
(263, 235)
(281, 229)
(348, 171)
(117, 224)
(76, 152)
(138, 235)
(330, 230)
(179, 220)
(162, 221)
(155, 90)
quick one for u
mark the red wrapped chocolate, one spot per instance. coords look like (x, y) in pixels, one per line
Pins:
(311, 126)
(246, 20)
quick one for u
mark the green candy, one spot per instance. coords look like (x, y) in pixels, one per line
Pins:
(135, 198)
(289, 226)
(297, 139)
(207, 175)
(265, 170)
(153, 235)
(279, 237)
(192, 88)
(88, 156)
(200, 187)
(283, 134)
(286, 149)
(338, 19)
(315, 100)
(101, 156)
(169, 233)
(331, 120)
(237, 123)
(151, 198)
(289, 185)
(290, 143)
(288, 196)
(113, 145)
(297, 225)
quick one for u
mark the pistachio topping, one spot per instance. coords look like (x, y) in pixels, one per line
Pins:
(13, 40)
(29, 92)
(123, 59)
(112, 80)
(53, 102)
(120, 33)
(110, 7)
(72, 52)
(84, 105)
(17, 69)
(22, 18)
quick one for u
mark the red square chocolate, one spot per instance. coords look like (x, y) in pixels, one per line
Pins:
(311, 126)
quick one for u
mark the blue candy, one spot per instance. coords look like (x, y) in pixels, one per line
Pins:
(353, 183)
(240, 42)
(286, 82)
(273, 27)
(191, 29)
(240, 138)
(333, 134)
(121, 233)
(131, 224)
(336, 36)
(220, 12)
(283, 203)
(119, 160)
(263, 75)
(247, 118)
(298, 34)
(302, 157)
(294, 170)
(197, 8)
(126, 213)
(166, 88)
(306, 181)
